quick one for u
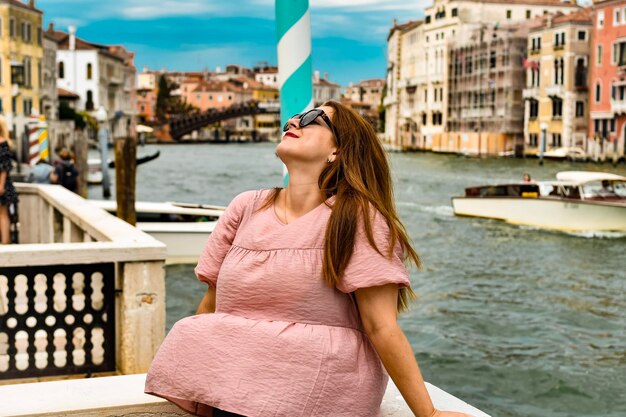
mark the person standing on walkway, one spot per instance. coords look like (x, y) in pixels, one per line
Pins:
(65, 172)
(8, 195)
(304, 287)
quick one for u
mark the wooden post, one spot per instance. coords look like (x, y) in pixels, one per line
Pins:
(125, 173)
(80, 153)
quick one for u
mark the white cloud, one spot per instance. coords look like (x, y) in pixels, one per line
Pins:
(148, 9)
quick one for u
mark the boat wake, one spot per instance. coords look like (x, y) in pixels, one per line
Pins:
(586, 235)
(445, 211)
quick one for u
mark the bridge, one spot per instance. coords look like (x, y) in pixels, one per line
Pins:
(180, 126)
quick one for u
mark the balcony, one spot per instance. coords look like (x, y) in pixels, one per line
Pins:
(389, 100)
(618, 107)
(559, 46)
(531, 92)
(555, 91)
(534, 51)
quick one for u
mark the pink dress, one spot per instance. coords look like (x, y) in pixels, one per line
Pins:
(281, 342)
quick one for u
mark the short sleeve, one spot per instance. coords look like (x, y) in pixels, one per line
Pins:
(221, 239)
(367, 267)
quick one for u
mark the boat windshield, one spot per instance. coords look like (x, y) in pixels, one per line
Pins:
(560, 190)
(605, 190)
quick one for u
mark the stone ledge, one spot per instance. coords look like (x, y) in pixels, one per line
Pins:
(123, 396)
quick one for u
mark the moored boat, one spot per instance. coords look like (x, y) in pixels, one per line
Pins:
(578, 201)
(183, 228)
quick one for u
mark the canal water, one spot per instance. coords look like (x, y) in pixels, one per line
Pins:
(516, 321)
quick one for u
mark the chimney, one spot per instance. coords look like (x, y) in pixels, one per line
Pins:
(395, 22)
(316, 76)
(50, 27)
(31, 4)
(326, 76)
(72, 30)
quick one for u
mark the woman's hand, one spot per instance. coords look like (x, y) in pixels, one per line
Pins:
(439, 413)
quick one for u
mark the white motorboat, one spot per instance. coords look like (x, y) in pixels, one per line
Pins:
(183, 228)
(578, 201)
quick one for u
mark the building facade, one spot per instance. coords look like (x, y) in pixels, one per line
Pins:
(446, 21)
(607, 125)
(485, 81)
(101, 75)
(556, 94)
(21, 61)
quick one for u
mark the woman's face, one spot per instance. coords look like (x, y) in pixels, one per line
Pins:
(312, 145)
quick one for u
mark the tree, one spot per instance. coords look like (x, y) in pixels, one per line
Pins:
(164, 98)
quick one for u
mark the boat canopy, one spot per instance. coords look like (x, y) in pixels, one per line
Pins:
(581, 177)
(528, 190)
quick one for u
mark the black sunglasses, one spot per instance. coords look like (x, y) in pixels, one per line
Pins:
(309, 117)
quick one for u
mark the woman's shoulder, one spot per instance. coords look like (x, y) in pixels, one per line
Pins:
(249, 199)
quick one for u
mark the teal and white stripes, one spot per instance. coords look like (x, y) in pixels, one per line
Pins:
(295, 71)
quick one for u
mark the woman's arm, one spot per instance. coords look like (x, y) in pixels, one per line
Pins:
(207, 305)
(377, 307)
(3, 178)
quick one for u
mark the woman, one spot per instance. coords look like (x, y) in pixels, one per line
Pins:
(304, 286)
(8, 195)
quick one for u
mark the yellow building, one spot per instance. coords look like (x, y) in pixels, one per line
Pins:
(556, 94)
(21, 57)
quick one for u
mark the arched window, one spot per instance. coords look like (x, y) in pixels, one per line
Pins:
(61, 70)
(89, 104)
(89, 71)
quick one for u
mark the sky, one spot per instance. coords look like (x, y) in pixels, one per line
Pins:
(349, 36)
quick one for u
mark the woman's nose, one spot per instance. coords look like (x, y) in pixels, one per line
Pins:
(294, 122)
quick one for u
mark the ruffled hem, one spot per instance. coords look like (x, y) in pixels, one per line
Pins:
(267, 368)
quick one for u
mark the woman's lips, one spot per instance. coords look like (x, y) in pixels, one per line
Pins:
(292, 135)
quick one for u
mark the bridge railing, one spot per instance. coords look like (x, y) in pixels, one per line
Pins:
(180, 126)
(82, 293)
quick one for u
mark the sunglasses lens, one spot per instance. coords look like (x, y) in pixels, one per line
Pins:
(309, 117)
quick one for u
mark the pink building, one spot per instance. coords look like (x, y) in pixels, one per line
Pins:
(607, 127)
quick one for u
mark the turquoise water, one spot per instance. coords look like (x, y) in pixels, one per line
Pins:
(516, 321)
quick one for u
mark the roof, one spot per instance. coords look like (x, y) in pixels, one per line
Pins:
(61, 92)
(404, 26)
(529, 2)
(208, 86)
(23, 5)
(586, 176)
(325, 82)
(114, 51)
(582, 16)
(372, 82)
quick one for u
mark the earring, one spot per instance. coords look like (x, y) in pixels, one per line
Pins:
(328, 161)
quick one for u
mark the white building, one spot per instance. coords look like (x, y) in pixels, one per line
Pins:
(101, 75)
(324, 90)
(446, 21)
(267, 76)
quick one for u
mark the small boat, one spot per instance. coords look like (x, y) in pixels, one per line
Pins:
(578, 201)
(183, 228)
(94, 175)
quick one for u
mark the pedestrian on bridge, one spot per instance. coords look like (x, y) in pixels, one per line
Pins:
(8, 195)
(304, 286)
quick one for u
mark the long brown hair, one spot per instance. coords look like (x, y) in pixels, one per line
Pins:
(4, 132)
(360, 179)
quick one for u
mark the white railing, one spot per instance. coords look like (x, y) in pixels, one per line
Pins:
(618, 107)
(59, 229)
(532, 92)
(555, 91)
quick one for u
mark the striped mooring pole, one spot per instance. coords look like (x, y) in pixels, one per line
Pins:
(295, 71)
